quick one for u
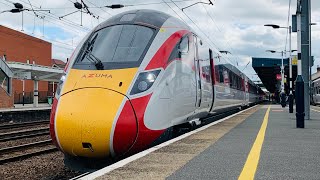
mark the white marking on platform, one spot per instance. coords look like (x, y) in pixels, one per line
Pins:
(123, 162)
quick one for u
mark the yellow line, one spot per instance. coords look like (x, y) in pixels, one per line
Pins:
(250, 167)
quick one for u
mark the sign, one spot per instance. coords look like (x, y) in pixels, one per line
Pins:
(22, 75)
(278, 77)
(294, 60)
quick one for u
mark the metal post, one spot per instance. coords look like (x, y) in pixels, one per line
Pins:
(52, 90)
(299, 82)
(282, 73)
(81, 16)
(282, 94)
(35, 93)
(305, 41)
(22, 21)
(290, 74)
(23, 92)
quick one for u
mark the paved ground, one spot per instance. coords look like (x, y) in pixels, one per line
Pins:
(227, 150)
(165, 161)
(225, 158)
(287, 152)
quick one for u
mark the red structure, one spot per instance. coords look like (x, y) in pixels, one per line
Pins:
(19, 47)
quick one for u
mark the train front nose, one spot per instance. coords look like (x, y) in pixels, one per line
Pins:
(85, 121)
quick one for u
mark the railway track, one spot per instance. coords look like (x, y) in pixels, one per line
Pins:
(24, 124)
(23, 134)
(16, 153)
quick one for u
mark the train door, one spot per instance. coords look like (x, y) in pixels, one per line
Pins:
(197, 74)
(212, 70)
(246, 89)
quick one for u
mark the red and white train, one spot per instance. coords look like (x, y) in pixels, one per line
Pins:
(133, 79)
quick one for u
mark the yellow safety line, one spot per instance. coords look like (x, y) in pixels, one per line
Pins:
(250, 167)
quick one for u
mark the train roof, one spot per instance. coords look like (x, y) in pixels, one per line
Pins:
(145, 17)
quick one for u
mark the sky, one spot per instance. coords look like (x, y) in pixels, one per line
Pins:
(234, 26)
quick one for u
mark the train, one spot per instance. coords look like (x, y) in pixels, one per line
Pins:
(136, 77)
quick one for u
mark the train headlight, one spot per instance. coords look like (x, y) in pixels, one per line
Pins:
(60, 84)
(142, 86)
(144, 81)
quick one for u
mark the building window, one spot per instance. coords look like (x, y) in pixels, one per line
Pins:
(4, 81)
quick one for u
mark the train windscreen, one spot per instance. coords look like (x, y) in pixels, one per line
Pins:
(115, 47)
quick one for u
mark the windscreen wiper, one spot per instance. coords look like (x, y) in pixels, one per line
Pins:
(97, 62)
(92, 58)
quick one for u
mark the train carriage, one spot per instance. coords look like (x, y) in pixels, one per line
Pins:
(135, 77)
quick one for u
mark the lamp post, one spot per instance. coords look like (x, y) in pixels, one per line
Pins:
(282, 93)
(274, 26)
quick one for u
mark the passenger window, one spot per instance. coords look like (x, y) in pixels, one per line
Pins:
(230, 79)
(221, 74)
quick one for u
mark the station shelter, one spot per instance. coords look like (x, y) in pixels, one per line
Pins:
(269, 71)
(33, 71)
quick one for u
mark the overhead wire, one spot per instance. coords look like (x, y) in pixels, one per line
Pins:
(174, 11)
(214, 44)
(52, 15)
(226, 40)
(154, 3)
(60, 23)
(29, 38)
(72, 24)
(196, 25)
(99, 8)
(37, 40)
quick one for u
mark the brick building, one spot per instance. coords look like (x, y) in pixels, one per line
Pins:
(19, 47)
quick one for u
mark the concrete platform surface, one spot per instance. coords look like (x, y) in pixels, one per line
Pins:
(287, 152)
(27, 107)
(260, 143)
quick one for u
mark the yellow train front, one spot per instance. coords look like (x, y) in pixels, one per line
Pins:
(133, 79)
(92, 115)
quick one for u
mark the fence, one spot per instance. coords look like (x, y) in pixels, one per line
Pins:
(28, 97)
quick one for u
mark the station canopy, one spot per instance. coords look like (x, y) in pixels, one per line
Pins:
(268, 70)
(35, 72)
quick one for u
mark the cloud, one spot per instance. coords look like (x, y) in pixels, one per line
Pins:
(236, 26)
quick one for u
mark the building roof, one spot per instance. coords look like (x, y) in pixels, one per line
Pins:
(268, 68)
(58, 63)
(12, 32)
(35, 72)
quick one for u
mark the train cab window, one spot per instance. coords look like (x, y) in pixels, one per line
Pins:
(119, 46)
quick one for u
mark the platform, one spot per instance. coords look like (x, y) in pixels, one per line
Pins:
(27, 107)
(259, 143)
